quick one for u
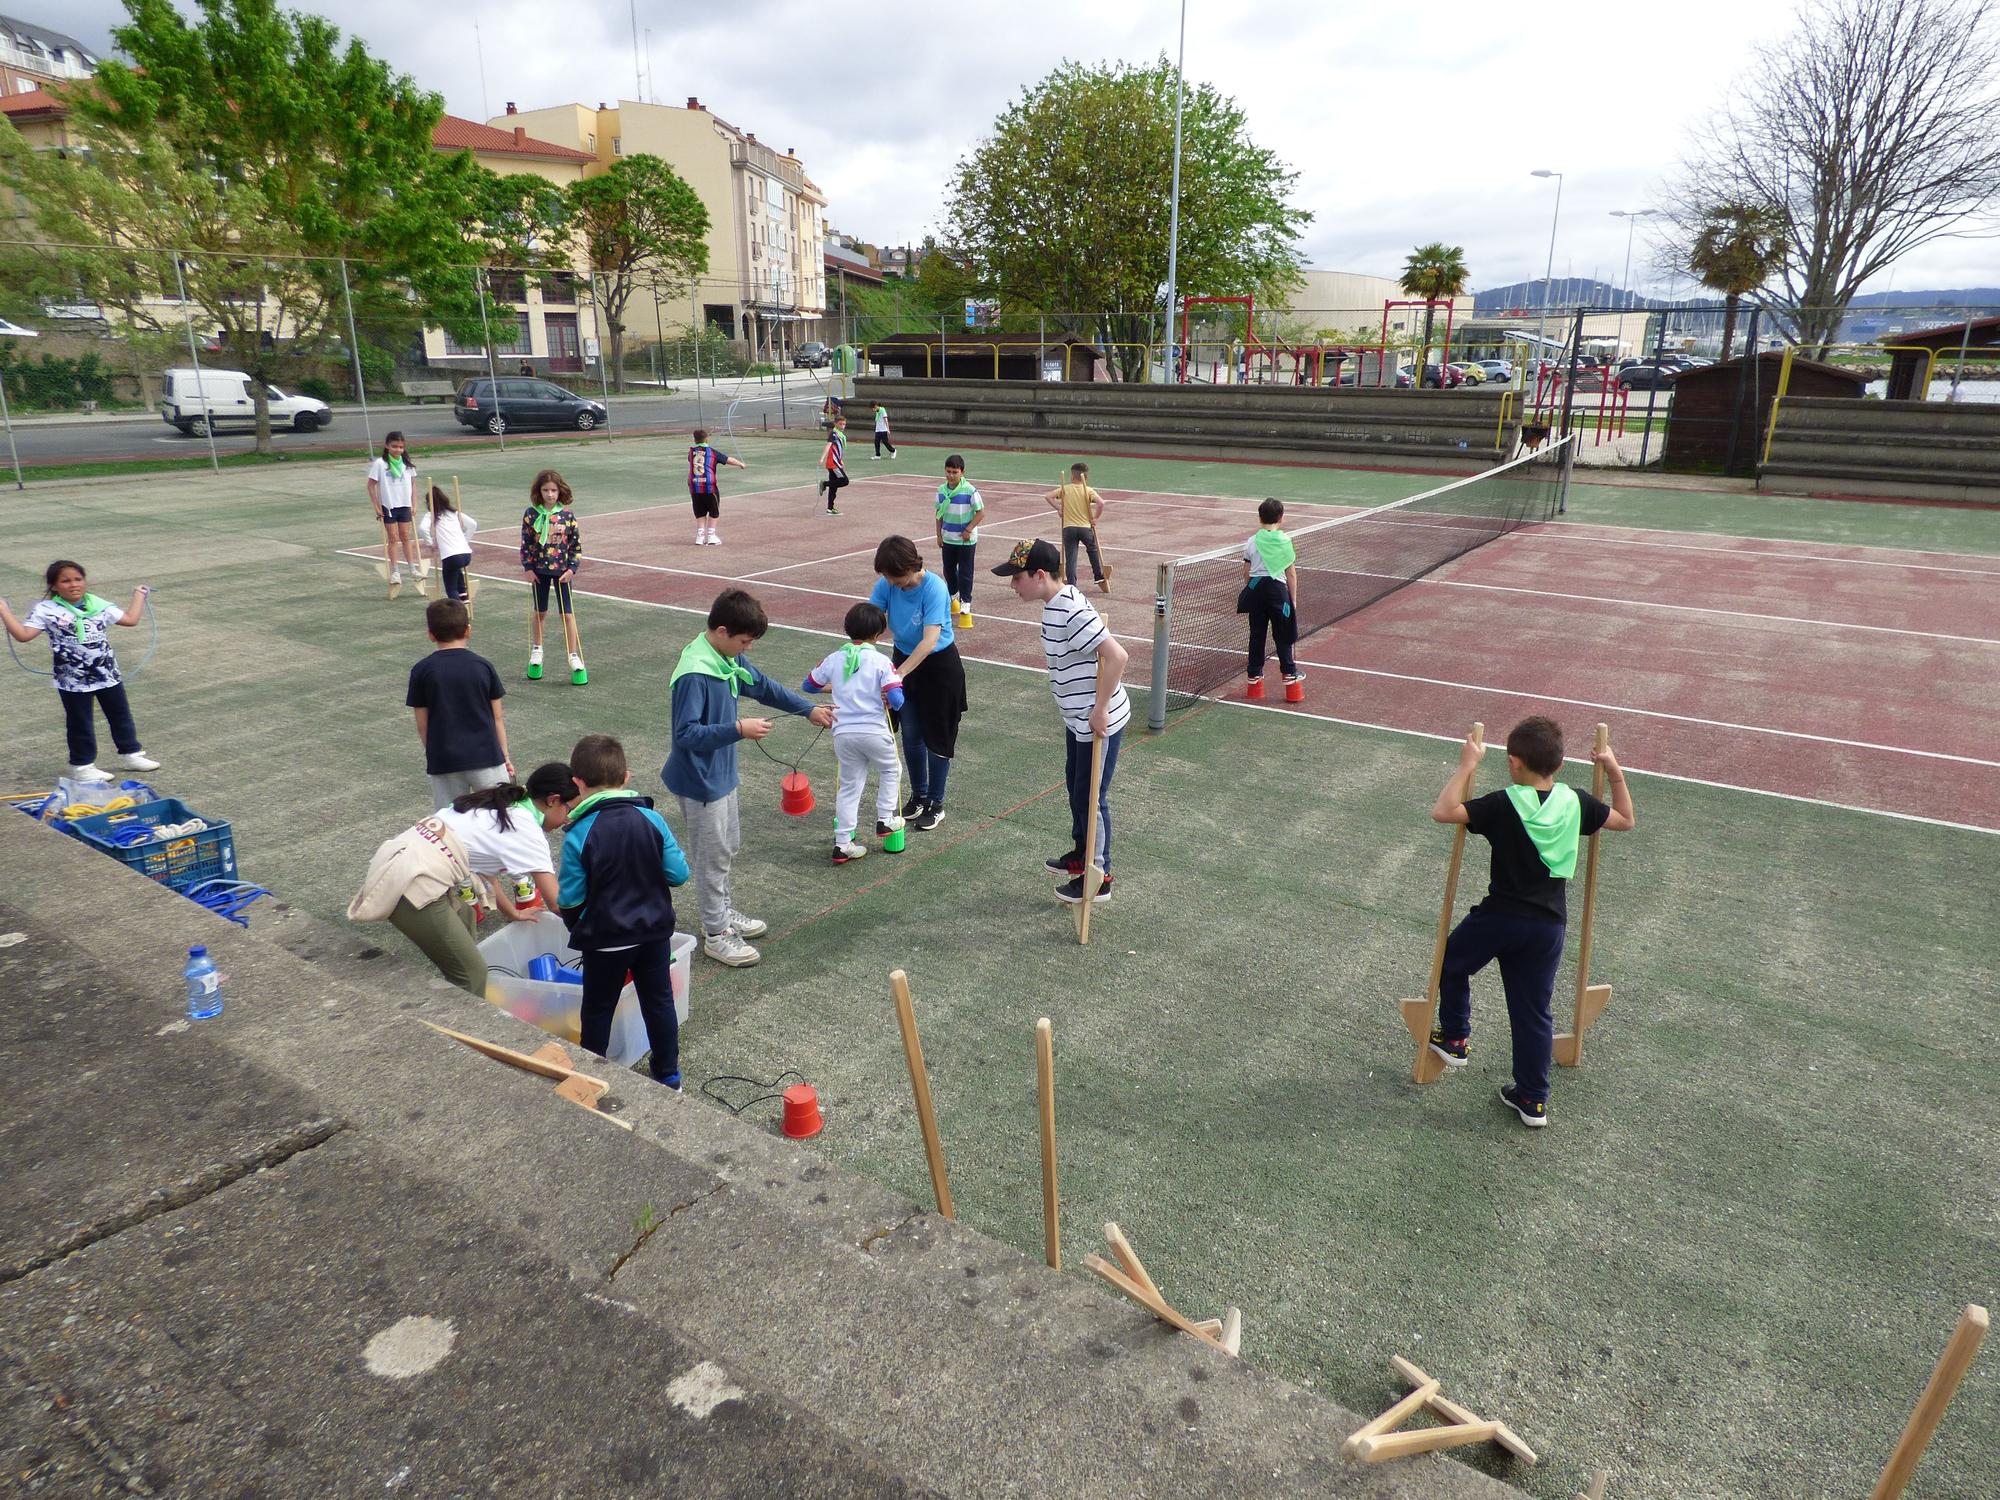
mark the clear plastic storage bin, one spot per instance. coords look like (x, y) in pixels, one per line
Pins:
(558, 1008)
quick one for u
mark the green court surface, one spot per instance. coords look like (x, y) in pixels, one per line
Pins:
(1725, 1269)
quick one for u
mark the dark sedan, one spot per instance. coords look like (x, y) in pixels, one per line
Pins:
(1647, 378)
(521, 402)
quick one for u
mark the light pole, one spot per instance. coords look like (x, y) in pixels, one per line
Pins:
(1631, 218)
(1541, 323)
(1174, 209)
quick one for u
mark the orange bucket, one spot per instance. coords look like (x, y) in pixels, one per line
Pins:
(802, 1111)
(796, 794)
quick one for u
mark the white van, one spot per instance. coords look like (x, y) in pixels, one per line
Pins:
(193, 399)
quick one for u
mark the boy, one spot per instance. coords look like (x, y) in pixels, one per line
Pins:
(1270, 595)
(701, 768)
(619, 865)
(705, 466)
(1535, 826)
(862, 682)
(1085, 665)
(456, 697)
(958, 510)
(834, 461)
(882, 431)
(1080, 507)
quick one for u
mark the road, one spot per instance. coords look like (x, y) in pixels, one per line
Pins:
(140, 435)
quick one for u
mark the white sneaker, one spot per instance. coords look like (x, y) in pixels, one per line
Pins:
(88, 774)
(844, 853)
(575, 662)
(727, 948)
(714, 537)
(395, 575)
(138, 760)
(701, 536)
(534, 656)
(749, 927)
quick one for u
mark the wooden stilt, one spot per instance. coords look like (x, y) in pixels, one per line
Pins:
(1597, 1478)
(1093, 878)
(920, 1085)
(1590, 998)
(1391, 1419)
(1951, 1368)
(1419, 1015)
(1129, 1276)
(1376, 1441)
(1450, 1411)
(1045, 1079)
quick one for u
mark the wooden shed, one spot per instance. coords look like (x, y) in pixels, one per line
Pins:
(1720, 411)
(983, 354)
(1908, 356)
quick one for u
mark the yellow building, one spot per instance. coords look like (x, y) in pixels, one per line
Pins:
(766, 281)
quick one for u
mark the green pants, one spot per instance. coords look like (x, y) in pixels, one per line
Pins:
(444, 931)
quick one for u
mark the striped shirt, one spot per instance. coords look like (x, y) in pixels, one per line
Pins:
(1072, 635)
(958, 512)
(704, 468)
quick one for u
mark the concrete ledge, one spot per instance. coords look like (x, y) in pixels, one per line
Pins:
(1920, 450)
(209, 1332)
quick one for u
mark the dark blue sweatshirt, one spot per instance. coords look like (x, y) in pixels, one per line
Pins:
(619, 861)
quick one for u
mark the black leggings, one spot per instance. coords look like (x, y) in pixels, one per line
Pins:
(881, 440)
(543, 583)
(453, 569)
(706, 507)
(81, 727)
(835, 478)
(1268, 612)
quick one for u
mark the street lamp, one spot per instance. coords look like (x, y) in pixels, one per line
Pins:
(1541, 323)
(1174, 205)
(1631, 218)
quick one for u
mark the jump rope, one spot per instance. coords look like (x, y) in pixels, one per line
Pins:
(153, 645)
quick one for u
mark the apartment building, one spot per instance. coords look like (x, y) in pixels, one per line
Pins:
(31, 56)
(766, 282)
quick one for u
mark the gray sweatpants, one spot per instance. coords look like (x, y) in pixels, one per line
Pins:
(713, 837)
(457, 783)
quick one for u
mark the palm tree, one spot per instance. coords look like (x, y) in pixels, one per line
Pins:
(1434, 272)
(1738, 246)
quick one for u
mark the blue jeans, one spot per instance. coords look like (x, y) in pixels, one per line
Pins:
(1076, 772)
(652, 968)
(927, 771)
(1529, 951)
(956, 569)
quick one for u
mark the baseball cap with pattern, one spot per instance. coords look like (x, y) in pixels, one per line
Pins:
(1036, 556)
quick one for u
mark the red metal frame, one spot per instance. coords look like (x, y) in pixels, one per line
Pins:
(1446, 304)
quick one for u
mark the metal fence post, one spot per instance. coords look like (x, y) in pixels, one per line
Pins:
(599, 317)
(208, 416)
(354, 353)
(492, 369)
(1653, 395)
(7, 417)
(1163, 597)
(1736, 408)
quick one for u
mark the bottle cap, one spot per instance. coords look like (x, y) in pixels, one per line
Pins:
(199, 950)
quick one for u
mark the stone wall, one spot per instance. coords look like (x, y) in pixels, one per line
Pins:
(1925, 450)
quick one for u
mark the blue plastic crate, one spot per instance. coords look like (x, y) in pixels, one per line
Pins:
(177, 863)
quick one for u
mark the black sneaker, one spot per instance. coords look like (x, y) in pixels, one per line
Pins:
(1072, 891)
(929, 818)
(1452, 1052)
(1065, 864)
(1534, 1113)
(914, 806)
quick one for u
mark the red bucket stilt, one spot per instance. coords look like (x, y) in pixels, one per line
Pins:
(796, 794)
(802, 1111)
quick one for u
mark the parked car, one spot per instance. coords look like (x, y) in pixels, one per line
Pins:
(1647, 378)
(1495, 369)
(1445, 379)
(1468, 370)
(525, 402)
(811, 356)
(197, 400)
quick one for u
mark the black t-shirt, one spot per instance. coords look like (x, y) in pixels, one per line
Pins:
(1521, 885)
(458, 688)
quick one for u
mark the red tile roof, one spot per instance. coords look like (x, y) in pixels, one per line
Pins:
(454, 133)
(34, 102)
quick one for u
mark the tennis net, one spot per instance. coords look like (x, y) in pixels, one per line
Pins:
(1344, 565)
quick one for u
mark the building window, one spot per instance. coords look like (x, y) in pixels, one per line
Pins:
(618, 145)
(502, 342)
(592, 138)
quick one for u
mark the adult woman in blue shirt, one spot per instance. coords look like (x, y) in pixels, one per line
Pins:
(919, 608)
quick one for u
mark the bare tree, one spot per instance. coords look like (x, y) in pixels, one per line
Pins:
(1866, 133)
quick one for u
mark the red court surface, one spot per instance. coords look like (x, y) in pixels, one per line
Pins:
(1858, 676)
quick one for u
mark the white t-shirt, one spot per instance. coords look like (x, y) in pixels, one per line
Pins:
(1072, 635)
(394, 492)
(83, 662)
(453, 532)
(858, 705)
(523, 849)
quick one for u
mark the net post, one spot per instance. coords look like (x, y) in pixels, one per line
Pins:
(1163, 597)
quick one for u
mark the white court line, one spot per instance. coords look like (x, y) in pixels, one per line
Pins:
(1812, 557)
(1422, 734)
(861, 552)
(1703, 609)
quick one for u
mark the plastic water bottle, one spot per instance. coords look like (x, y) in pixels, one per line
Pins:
(204, 985)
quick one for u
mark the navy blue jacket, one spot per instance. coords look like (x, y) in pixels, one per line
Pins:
(619, 862)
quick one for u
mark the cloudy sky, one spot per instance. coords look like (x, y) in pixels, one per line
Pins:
(1400, 133)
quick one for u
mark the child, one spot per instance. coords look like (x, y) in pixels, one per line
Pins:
(862, 681)
(390, 477)
(619, 865)
(834, 461)
(1080, 507)
(449, 529)
(84, 669)
(705, 465)
(456, 697)
(1535, 826)
(701, 769)
(958, 510)
(1270, 595)
(882, 431)
(551, 545)
(925, 655)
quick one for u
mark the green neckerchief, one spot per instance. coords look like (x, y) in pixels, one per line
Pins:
(532, 811)
(543, 515)
(1554, 825)
(850, 654)
(1276, 550)
(591, 803)
(395, 466)
(701, 659)
(92, 605)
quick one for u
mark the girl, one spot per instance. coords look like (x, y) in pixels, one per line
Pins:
(483, 838)
(85, 670)
(450, 530)
(926, 658)
(551, 545)
(389, 480)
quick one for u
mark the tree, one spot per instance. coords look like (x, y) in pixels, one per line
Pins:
(1866, 133)
(522, 223)
(1064, 208)
(245, 155)
(1435, 272)
(1737, 248)
(638, 223)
